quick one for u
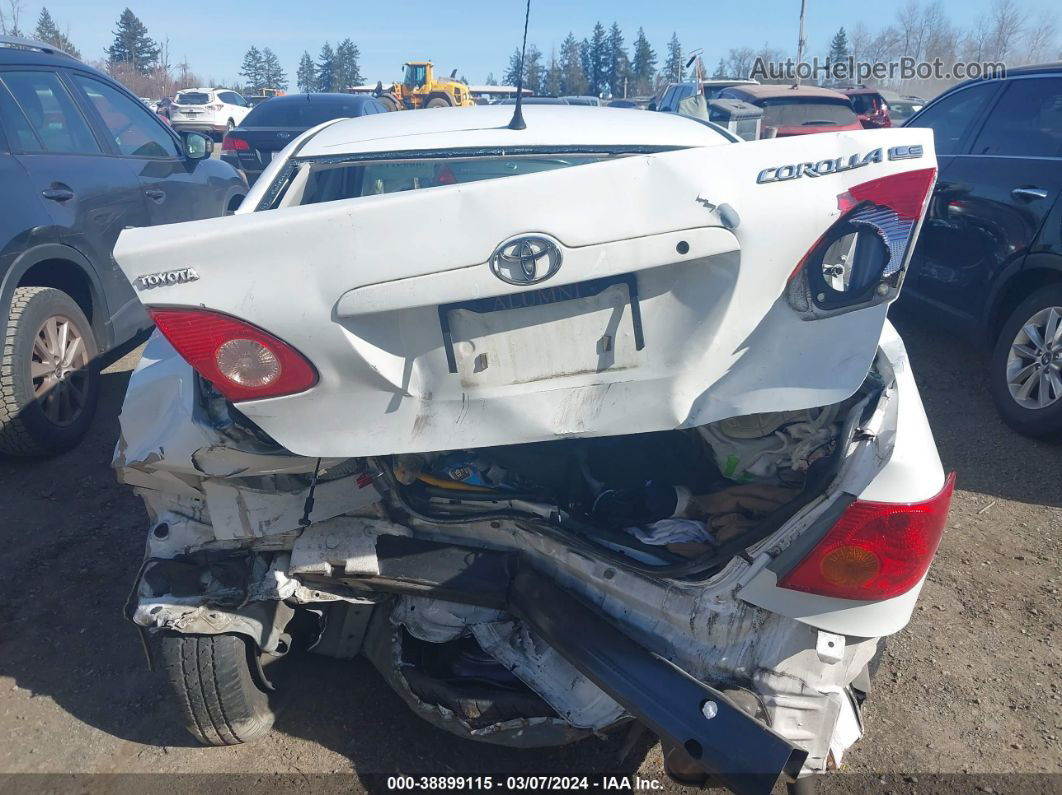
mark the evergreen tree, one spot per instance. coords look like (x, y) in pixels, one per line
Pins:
(252, 70)
(586, 65)
(839, 46)
(533, 71)
(491, 81)
(48, 31)
(644, 66)
(720, 70)
(132, 45)
(326, 63)
(618, 63)
(347, 72)
(573, 79)
(553, 85)
(512, 73)
(272, 73)
(599, 60)
(306, 76)
(674, 68)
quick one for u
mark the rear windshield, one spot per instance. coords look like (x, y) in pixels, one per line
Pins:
(786, 112)
(865, 103)
(901, 109)
(315, 182)
(301, 113)
(192, 98)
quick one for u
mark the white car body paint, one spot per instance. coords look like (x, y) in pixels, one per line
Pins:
(348, 285)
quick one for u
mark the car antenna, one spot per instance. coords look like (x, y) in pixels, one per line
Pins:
(517, 121)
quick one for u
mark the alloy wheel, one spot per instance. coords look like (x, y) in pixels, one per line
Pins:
(1034, 364)
(59, 369)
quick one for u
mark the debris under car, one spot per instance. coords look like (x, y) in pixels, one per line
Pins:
(688, 482)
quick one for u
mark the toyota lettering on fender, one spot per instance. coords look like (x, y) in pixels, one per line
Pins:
(178, 276)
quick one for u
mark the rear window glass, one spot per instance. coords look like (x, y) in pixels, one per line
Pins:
(192, 98)
(805, 113)
(315, 182)
(301, 113)
(865, 103)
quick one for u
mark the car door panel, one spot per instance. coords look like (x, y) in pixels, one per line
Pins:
(89, 195)
(992, 199)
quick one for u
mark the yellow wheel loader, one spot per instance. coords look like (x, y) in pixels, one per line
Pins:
(420, 89)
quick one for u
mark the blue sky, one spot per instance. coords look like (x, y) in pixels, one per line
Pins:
(473, 36)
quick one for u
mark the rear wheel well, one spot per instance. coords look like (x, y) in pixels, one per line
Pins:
(62, 275)
(1016, 291)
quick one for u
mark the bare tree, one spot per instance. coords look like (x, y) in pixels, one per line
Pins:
(739, 61)
(9, 21)
(1040, 40)
(1006, 22)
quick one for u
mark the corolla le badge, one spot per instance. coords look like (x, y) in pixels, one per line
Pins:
(525, 260)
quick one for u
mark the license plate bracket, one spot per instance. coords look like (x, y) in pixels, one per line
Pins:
(541, 296)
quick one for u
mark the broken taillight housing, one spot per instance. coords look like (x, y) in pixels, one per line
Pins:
(875, 551)
(242, 361)
(861, 259)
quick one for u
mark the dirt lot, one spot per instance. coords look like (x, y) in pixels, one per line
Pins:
(972, 685)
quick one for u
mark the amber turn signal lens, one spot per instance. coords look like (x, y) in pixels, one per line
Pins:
(850, 566)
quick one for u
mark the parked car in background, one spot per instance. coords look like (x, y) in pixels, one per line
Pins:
(272, 125)
(534, 101)
(81, 158)
(214, 111)
(901, 108)
(797, 110)
(870, 106)
(990, 254)
(583, 100)
(669, 99)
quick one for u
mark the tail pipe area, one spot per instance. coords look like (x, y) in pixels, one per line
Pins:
(735, 748)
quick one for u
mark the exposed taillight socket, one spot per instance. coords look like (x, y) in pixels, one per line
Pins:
(242, 361)
(875, 551)
(861, 259)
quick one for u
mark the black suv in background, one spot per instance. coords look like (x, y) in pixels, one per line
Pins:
(81, 158)
(990, 252)
(274, 123)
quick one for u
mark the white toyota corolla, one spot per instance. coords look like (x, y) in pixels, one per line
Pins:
(562, 427)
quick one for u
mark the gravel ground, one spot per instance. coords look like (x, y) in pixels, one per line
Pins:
(972, 685)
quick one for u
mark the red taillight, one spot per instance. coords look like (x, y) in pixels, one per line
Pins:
(233, 143)
(242, 361)
(905, 194)
(876, 550)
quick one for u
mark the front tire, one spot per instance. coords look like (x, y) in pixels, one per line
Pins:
(217, 693)
(438, 102)
(49, 379)
(1026, 367)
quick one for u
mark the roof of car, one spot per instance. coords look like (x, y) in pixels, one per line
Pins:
(323, 96)
(782, 91)
(487, 126)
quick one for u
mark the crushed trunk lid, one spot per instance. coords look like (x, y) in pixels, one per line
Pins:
(638, 294)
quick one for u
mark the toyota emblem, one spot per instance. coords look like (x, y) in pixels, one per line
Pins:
(526, 260)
